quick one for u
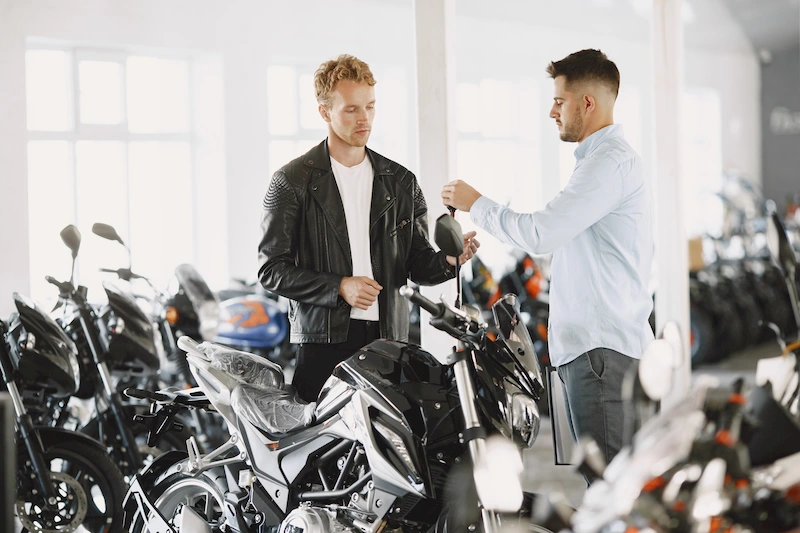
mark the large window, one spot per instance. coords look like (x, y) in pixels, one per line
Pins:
(111, 140)
(498, 148)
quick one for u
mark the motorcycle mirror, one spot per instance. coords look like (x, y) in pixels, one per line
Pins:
(72, 238)
(782, 253)
(708, 498)
(107, 232)
(448, 236)
(497, 476)
(655, 369)
(589, 458)
(778, 244)
(672, 334)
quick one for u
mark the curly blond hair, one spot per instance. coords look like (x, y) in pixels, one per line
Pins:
(344, 67)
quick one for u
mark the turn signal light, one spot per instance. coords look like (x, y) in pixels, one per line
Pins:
(172, 315)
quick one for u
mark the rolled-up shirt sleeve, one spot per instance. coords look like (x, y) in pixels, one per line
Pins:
(594, 190)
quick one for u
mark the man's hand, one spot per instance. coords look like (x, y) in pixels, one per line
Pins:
(459, 195)
(359, 291)
(471, 246)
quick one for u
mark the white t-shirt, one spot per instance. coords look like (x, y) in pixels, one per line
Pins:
(355, 188)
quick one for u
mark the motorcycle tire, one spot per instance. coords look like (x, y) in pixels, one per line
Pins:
(83, 474)
(750, 317)
(702, 337)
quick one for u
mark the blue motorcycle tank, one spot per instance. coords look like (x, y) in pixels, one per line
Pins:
(252, 322)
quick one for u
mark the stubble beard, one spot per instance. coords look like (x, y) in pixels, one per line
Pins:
(571, 132)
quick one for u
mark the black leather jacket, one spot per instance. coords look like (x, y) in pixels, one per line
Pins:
(305, 250)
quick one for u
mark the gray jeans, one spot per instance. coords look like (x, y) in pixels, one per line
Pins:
(593, 393)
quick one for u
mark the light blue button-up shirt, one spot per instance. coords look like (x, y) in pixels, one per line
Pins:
(599, 229)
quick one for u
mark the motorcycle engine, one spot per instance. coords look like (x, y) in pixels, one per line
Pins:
(310, 519)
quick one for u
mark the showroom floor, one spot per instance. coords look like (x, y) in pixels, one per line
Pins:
(543, 476)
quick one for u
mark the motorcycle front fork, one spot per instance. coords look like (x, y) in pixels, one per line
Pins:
(33, 445)
(472, 422)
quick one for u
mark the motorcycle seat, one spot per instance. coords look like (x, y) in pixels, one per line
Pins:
(246, 368)
(273, 411)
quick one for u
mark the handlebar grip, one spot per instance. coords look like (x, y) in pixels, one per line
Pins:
(415, 297)
(53, 281)
(188, 344)
(110, 271)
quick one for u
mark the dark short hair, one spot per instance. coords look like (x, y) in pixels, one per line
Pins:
(587, 66)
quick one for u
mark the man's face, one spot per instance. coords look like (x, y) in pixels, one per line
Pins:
(352, 112)
(567, 111)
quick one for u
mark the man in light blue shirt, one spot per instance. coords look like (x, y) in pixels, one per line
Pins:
(599, 230)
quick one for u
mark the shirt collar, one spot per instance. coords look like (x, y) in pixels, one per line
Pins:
(593, 141)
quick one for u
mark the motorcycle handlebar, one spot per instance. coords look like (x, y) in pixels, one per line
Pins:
(432, 307)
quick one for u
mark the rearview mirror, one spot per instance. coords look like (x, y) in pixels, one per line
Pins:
(448, 236)
(656, 369)
(778, 244)
(72, 238)
(107, 232)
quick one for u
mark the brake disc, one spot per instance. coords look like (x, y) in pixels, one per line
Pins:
(67, 514)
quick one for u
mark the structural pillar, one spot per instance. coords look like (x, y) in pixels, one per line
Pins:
(672, 296)
(436, 97)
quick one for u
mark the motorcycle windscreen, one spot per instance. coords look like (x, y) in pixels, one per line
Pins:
(204, 301)
(49, 355)
(133, 343)
(507, 316)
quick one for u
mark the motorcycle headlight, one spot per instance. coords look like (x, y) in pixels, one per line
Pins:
(208, 314)
(399, 447)
(524, 419)
(30, 341)
(119, 326)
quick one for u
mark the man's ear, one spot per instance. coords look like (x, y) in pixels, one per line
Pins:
(323, 112)
(589, 103)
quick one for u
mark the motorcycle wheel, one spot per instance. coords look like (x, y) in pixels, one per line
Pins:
(89, 489)
(203, 493)
(702, 337)
(750, 314)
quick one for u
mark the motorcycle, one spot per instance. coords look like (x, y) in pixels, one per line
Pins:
(117, 349)
(247, 319)
(173, 369)
(152, 301)
(375, 451)
(65, 480)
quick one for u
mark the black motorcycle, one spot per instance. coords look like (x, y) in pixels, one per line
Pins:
(117, 349)
(65, 479)
(377, 450)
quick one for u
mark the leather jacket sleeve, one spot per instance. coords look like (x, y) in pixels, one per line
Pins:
(425, 265)
(278, 270)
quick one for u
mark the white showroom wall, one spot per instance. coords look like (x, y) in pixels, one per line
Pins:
(508, 43)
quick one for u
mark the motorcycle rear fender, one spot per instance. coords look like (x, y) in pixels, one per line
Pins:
(216, 384)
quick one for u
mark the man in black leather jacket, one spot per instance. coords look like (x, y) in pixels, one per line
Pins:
(343, 229)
